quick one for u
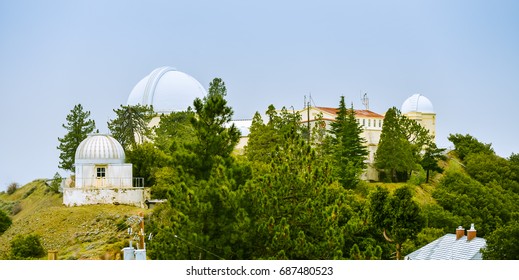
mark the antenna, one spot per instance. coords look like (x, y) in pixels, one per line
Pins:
(365, 100)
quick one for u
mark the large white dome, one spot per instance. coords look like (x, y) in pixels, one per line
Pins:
(417, 103)
(167, 90)
(100, 149)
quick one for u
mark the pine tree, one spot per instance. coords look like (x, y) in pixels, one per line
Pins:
(78, 126)
(348, 146)
(131, 126)
(394, 153)
(430, 159)
(215, 139)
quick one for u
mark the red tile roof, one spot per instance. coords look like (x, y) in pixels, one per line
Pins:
(358, 113)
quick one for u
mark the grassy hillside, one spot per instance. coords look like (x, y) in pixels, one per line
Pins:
(84, 232)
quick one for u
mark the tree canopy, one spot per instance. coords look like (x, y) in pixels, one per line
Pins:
(78, 127)
(131, 125)
(348, 147)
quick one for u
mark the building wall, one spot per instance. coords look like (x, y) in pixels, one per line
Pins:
(82, 196)
(117, 175)
(427, 120)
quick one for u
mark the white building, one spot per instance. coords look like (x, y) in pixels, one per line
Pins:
(102, 176)
(420, 108)
(167, 90)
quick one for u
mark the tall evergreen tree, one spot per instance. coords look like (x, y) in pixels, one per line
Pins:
(348, 146)
(394, 153)
(215, 137)
(78, 126)
(131, 126)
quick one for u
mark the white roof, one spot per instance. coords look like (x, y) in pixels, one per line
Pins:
(99, 149)
(448, 248)
(417, 103)
(167, 90)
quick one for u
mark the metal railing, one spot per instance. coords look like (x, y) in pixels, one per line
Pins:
(105, 182)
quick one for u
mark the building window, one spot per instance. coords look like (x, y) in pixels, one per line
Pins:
(379, 123)
(369, 122)
(363, 122)
(101, 172)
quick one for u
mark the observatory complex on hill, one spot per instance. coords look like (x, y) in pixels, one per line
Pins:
(169, 90)
(102, 176)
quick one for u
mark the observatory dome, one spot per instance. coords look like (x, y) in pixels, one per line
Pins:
(167, 90)
(417, 103)
(99, 149)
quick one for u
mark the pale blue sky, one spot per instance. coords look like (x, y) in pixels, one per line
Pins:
(462, 55)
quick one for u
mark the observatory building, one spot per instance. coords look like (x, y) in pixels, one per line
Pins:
(102, 176)
(419, 108)
(166, 90)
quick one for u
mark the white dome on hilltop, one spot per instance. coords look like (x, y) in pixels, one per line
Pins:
(167, 90)
(99, 149)
(417, 103)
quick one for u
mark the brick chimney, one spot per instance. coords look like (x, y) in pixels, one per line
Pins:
(460, 232)
(471, 233)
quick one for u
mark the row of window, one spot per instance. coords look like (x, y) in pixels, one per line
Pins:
(376, 123)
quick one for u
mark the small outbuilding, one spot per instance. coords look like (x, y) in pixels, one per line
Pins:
(102, 176)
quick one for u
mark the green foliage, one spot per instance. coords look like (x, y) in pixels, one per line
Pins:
(437, 217)
(397, 216)
(131, 126)
(394, 153)
(467, 144)
(215, 139)
(78, 127)
(401, 142)
(265, 138)
(175, 132)
(25, 247)
(430, 159)
(487, 167)
(146, 159)
(56, 183)
(487, 206)
(347, 146)
(503, 243)
(12, 188)
(5, 222)
(296, 210)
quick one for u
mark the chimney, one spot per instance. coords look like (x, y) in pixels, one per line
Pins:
(460, 232)
(471, 233)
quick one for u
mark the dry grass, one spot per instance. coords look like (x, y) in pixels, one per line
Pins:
(84, 232)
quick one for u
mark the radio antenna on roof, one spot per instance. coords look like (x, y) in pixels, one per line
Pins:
(365, 100)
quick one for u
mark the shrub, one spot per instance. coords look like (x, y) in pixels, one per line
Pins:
(17, 208)
(12, 188)
(55, 184)
(5, 222)
(25, 247)
(25, 195)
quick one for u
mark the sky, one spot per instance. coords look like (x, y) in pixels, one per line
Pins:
(462, 55)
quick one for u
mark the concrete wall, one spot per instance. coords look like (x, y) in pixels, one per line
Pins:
(84, 196)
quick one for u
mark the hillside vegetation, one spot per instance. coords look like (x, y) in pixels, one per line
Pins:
(84, 232)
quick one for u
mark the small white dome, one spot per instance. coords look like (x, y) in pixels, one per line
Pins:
(417, 103)
(167, 90)
(100, 149)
